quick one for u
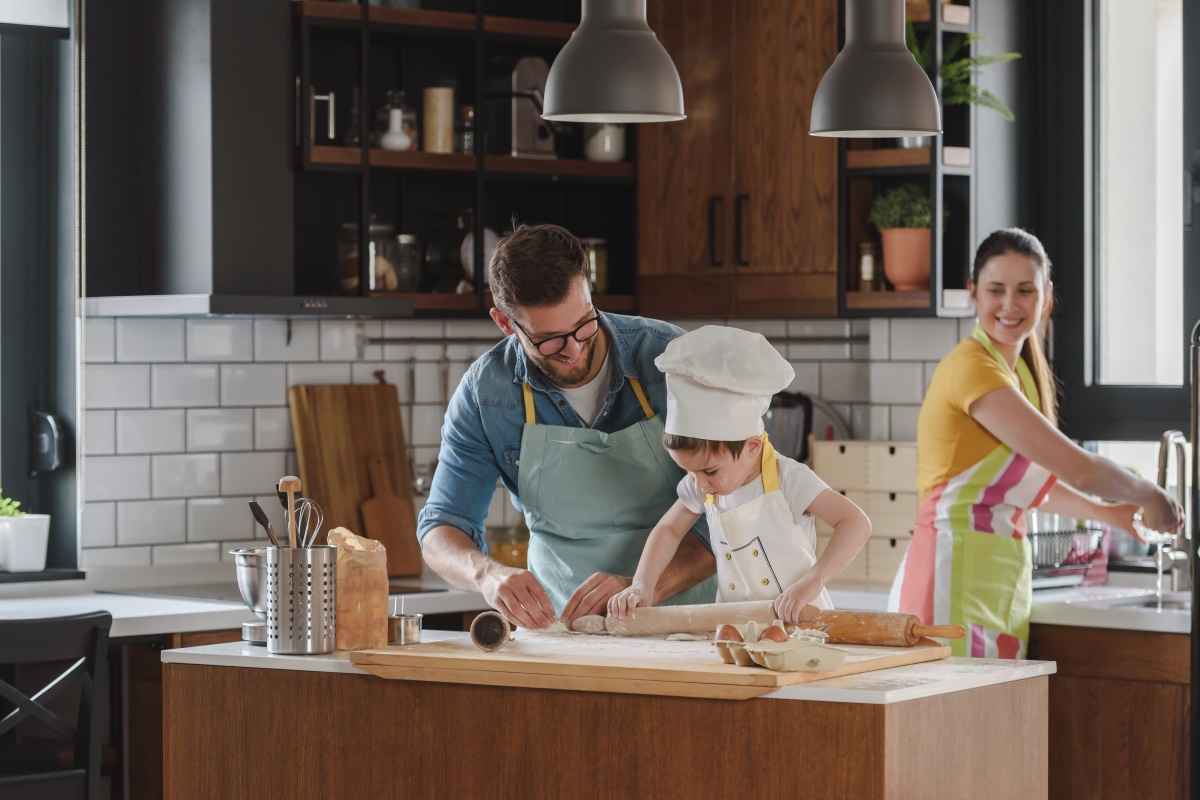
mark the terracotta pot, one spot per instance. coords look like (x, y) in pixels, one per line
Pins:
(906, 258)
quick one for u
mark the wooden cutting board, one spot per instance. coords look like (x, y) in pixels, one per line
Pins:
(627, 665)
(338, 428)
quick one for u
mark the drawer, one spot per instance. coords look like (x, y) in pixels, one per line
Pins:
(892, 467)
(891, 513)
(841, 464)
(858, 498)
(884, 557)
(856, 570)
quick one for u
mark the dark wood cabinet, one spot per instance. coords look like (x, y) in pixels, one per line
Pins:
(1119, 722)
(738, 204)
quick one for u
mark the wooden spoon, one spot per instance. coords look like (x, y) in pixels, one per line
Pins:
(290, 484)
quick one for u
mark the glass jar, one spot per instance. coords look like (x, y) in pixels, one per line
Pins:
(408, 263)
(408, 116)
(464, 131)
(383, 253)
(867, 268)
(509, 546)
(596, 251)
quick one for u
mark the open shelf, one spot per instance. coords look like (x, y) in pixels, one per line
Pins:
(421, 18)
(955, 16)
(563, 167)
(324, 9)
(332, 155)
(528, 28)
(887, 301)
(415, 159)
(890, 157)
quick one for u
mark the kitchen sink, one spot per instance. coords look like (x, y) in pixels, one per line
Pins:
(1162, 605)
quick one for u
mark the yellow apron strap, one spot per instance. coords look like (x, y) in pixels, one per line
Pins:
(530, 418)
(770, 470)
(641, 396)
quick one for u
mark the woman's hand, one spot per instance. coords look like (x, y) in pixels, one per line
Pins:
(624, 603)
(1163, 513)
(788, 605)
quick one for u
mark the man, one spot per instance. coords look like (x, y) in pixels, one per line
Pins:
(567, 411)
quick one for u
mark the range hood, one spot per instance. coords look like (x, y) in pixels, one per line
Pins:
(189, 166)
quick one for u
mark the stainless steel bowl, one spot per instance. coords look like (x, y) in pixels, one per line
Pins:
(252, 577)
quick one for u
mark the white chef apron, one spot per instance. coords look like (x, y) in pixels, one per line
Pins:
(760, 548)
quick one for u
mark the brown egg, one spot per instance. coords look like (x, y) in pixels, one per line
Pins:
(773, 633)
(728, 633)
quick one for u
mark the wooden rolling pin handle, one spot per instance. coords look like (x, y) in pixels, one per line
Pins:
(940, 631)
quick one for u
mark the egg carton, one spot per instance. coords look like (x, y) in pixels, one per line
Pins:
(800, 651)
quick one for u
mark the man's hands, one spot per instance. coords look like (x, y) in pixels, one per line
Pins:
(625, 602)
(517, 595)
(592, 596)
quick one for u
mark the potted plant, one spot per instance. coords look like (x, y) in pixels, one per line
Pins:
(902, 216)
(956, 72)
(23, 538)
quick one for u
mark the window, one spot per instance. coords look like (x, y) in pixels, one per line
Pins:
(1122, 111)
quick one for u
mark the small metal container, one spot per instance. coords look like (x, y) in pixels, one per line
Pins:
(404, 628)
(301, 600)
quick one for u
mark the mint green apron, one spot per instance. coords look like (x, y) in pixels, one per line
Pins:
(592, 498)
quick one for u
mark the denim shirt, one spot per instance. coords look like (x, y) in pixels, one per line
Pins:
(481, 433)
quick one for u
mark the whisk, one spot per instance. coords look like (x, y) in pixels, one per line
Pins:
(309, 518)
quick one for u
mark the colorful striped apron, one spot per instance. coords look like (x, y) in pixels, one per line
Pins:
(969, 562)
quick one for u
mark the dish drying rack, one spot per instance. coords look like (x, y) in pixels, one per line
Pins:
(1061, 558)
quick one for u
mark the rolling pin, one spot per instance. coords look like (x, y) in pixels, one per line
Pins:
(843, 627)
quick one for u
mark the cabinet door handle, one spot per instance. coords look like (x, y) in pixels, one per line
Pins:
(712, 230)
(739, 205)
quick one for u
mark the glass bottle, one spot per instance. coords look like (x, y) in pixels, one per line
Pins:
(596, 251)
(464, 131)
(868, 271)
(408, 116)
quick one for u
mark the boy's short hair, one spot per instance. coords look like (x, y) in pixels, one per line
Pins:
(689, 444)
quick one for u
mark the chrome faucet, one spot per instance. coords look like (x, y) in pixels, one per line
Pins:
(1175, 552)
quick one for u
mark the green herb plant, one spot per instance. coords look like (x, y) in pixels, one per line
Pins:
(956, 72)
(906, 206)
(9, 507)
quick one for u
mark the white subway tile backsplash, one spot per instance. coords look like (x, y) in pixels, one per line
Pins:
(426, 425)
(845, 382)
(428, 383)
(100, 433)
(220, 340)
(116, 478)
(818, 327)
(923, 339)
(339, 340)
(99, 525)
(966, 327)
(306, 374)
(860, 352)
(117, 385)
(218, 519)
(159, 431)
(860, 327)
(904, 423)
(184, 385)
(142, 340)
(807, 380)
(193, 475)
(881, 425)
(897, 382)
(208, 553)
(881, 335)
(151, 522)
(100, 340)
(273, 429)
(860, 421)
(249, 473)
(271, 340)
(115, 557)
(225, 547)
(395, 374)
(414, 328)
(770, 328)
(930, 368)
(217, 429)
(690, 324)
(253, 385)
(473, 329)
(818, 352)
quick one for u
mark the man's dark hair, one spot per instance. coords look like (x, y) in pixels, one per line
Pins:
(534, 266)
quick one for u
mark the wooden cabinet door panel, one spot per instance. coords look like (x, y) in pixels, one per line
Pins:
(785, 180)
(685, 168)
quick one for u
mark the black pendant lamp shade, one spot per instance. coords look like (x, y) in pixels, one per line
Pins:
(875, 88)
(613, 69)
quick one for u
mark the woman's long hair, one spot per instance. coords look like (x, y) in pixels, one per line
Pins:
(1016, 240)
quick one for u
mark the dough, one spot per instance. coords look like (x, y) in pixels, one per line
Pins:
(689, 637)
(590, 624)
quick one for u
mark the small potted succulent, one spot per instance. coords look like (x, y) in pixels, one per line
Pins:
(902, 216)
(23, 537)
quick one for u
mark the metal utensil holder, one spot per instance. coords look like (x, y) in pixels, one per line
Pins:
(301, 600)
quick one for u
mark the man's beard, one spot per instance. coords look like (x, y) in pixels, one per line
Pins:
(569, 377)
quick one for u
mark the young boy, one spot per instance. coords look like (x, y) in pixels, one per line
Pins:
(760, 505)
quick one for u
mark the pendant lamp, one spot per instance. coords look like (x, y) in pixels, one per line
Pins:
(875, 87)
(613, 69)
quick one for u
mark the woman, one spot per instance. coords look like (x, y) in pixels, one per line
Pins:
(988, 450)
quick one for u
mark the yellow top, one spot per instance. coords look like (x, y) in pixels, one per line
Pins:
(949, 440)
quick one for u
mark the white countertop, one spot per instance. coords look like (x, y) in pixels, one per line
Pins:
(1111, 607)
(881, 687)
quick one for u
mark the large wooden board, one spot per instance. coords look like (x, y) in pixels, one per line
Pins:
(337, 429)
(628, 665)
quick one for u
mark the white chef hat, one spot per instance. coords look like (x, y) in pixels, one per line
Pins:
(720, 381)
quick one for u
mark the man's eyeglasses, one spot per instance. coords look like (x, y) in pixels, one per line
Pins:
(555, 344)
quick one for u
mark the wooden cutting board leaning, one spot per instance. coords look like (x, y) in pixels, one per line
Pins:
(640, 665)
(340, 431)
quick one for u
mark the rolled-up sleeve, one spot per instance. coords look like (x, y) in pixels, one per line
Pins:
(466, 474)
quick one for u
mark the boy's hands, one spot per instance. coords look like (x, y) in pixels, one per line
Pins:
(793, 600)
(624, 603)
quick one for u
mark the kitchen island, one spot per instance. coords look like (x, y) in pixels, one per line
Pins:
(240, 722)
